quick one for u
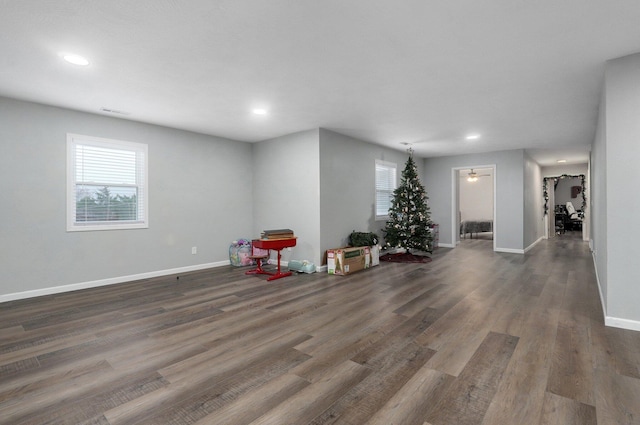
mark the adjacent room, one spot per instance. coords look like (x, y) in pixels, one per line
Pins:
(144, 144)
(475, 198)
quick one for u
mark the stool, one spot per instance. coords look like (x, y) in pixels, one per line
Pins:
(258, 259)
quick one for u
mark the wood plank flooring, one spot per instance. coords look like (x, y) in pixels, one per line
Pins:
(472, 338)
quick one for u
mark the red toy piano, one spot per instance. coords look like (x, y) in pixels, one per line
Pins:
(273, 239)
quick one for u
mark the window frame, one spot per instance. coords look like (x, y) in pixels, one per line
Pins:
(141, 184)
(388, 192)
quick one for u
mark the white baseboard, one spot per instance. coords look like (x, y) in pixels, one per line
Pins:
(509, 250)
(614, 322)
(105, 282)
(527, 249)
(274, 262)
(595, 268)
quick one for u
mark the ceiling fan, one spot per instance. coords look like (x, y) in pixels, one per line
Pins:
(473, 176)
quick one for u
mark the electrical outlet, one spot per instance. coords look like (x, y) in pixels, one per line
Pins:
(194, 250)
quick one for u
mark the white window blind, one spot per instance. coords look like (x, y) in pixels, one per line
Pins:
(107, 184)
(385, 185)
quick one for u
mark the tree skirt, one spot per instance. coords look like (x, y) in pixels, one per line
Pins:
(405, 257)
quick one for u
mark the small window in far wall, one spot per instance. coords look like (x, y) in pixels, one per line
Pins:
(385, 185)
(106, 184)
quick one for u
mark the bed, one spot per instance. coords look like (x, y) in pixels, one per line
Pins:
(475, 226)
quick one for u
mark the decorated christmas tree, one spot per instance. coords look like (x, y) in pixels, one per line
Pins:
(409, 217)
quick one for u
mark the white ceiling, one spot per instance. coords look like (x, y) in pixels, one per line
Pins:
(524, 74)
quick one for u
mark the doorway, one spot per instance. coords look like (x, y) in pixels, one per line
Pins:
(473, 203)
(565, 205)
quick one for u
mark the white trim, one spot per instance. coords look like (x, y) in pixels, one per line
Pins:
(389, 165)
(615, 322)
(445, 245)
(143, 183)
(109, 281)
(527, 249)
(546, 226)
(455, 206)
(632, 325)
(595, 269)
(455, 202)
(495, 205)
(510, 250)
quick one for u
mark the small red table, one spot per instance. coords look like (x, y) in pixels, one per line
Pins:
(278, 245)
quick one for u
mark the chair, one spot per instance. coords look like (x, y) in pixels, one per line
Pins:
(571, 211)
(259, 255)
(574, 218)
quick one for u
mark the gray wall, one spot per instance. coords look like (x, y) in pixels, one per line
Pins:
(597, 205)
(321, 184)
(206, 191)
(347, 189)
(199, 195)
(570, 169)
(509, 194)
(286, 191)
(563, 192)
(622, 133)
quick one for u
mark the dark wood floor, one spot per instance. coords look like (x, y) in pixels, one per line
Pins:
(473, 337)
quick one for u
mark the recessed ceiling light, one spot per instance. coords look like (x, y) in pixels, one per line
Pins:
(75, 59)
(562, 161)
(472, 137)
(260, 111)
(113, 111)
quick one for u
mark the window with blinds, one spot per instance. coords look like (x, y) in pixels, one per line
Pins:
(106, 184)
(385, 185)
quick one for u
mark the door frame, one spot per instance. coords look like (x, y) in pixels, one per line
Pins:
(455, 201)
